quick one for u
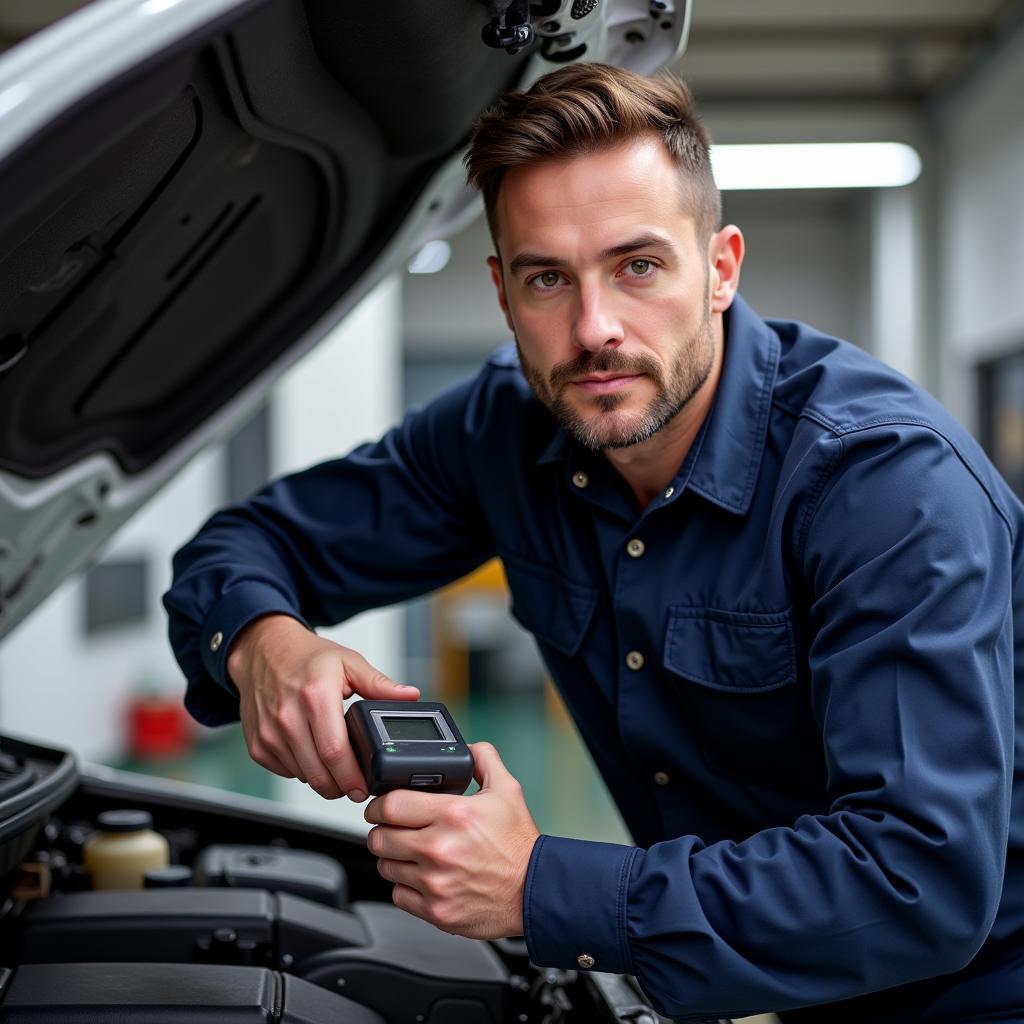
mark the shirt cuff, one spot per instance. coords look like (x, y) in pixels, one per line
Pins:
(574, 905)
(235, 610)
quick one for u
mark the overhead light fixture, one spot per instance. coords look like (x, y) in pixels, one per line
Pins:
(434, 256)
(815, 165)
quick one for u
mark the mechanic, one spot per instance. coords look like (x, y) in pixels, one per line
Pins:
(777, 585)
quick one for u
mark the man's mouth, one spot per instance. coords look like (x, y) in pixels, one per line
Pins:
(605, 383)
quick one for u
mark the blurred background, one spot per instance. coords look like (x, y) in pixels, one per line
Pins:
(928, 275)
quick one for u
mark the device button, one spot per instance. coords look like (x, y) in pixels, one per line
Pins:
(635, 548)
(580, 479)
(425, 780)
(585, 960)
(216, 640)
(662, 778)
(635, 660)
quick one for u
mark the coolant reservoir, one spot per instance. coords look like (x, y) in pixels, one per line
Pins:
(124, 850)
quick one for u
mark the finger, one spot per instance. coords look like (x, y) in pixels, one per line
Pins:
(410, 900)
(401, 873)
(317, 774)
(302, 750)
(488, 768)
(391, 843)
(330, 737)
(272, 764)
(268, 752)
(371, 683)
(406, 808)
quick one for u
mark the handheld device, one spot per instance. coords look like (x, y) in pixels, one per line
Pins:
(403, 744)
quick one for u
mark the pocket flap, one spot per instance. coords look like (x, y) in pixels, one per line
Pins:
(732, 651)
(551, 607)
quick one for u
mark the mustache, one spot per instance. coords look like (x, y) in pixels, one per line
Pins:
(603, 362)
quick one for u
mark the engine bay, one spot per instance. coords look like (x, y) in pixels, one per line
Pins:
(257, 916)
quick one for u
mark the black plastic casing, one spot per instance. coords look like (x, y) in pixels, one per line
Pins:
(385, 770)
(90, 993)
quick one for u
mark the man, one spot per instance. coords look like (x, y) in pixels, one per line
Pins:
(776, 583)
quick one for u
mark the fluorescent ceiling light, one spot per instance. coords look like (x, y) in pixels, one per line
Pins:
(815, 165)
(158, 6)
(434, 256)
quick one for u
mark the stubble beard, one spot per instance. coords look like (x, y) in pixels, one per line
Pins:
(607, 428)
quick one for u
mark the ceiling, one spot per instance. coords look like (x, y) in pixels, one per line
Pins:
(828, 51)
(778, 51)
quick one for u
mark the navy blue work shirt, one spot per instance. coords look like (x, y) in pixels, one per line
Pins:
(794, 669)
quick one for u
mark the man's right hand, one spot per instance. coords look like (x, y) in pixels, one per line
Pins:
(291, 684)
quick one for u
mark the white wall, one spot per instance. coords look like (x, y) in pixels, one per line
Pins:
(808, 257)
(347, 390)
(59, 686)
(981, 225)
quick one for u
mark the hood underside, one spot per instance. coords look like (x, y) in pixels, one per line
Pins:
(224, 180)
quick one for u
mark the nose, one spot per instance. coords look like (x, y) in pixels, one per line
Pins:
(595, 323)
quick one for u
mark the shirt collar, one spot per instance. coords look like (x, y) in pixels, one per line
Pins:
(558, 449)
(729, 457)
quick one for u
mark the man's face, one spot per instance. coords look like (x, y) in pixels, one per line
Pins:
(605, 286)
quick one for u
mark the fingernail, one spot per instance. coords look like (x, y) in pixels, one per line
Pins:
(356, 796)
(402, 686)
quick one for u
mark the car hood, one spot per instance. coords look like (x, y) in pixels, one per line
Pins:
(195, 192)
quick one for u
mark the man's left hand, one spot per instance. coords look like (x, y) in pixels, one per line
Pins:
(458, 862)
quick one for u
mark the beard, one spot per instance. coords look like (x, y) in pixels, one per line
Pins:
(610, 426)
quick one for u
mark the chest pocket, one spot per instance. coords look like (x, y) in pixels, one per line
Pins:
(556, 610)
(737, 652)
(736, 675)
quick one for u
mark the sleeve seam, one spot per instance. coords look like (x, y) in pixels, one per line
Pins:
(531, 876)
(840, 432)
(816, 495)
(621, 902)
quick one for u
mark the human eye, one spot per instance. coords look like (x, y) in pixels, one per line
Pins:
(640, 268)
(546, 281)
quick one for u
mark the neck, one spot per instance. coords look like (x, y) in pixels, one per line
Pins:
(650, 467)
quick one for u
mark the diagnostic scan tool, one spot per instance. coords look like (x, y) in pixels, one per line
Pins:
(403, 744)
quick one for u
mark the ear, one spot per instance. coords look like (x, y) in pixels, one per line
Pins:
(494, 264)
(725, 255)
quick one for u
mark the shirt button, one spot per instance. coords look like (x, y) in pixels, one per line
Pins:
(585, 960)
(635, 660)
(216, 640)
(580, 479)
(662, 778)
(669, 492)
(635, 547)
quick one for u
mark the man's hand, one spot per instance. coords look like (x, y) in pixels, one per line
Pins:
(458, 862)
(291, 684)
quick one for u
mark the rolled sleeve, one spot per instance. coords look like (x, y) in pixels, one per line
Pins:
(574, 904)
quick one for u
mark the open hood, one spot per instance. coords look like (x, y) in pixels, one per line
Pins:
(194, 192)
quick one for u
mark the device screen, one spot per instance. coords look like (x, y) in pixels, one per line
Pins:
(409, 727)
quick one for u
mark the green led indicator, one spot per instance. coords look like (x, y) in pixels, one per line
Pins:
(391, 750)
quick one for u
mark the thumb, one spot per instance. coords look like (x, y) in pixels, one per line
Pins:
(488, 768)
(371, 683)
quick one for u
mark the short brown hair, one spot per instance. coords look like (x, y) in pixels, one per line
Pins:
(582, 108)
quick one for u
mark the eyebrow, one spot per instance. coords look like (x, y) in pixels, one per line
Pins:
(534, 259)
